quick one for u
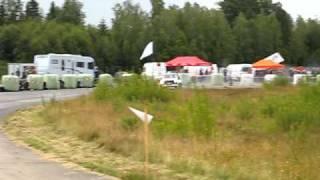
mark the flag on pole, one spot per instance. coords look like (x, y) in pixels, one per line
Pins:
(276, 57)
(148, 50)
(141, 115)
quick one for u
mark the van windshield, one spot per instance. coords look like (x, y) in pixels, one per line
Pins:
(246, 69)
(90, 65)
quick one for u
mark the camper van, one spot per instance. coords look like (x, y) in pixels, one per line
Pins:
(155, 70)
(64, 64)
(234, 71)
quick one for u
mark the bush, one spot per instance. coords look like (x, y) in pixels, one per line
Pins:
(134, 89)
(292, 112)
(193, 118)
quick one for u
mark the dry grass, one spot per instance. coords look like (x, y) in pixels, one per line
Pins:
(240, 148)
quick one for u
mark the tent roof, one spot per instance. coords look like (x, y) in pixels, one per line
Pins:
(187, 61)
(265, 63)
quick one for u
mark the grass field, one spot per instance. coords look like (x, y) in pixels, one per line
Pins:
(270, 133)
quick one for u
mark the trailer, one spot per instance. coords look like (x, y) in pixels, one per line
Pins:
(22, 70)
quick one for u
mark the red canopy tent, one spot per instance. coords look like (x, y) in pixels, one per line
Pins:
(267, 64)
(187, 61)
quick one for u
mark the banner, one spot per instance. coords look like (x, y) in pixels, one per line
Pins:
(148, 51)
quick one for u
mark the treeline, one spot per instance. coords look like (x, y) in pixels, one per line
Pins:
(239, 32)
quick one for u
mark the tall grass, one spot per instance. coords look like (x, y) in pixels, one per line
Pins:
(133, 89)
(236, 134)
(279, 81)
(291, 111)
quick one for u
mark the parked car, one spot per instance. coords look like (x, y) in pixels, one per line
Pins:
(171, 80)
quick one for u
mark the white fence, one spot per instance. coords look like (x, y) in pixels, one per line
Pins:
(244, 81)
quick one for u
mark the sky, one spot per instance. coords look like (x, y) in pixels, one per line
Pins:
(96, 10)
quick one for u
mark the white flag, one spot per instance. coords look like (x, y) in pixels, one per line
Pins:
(276, 57)
(141, 115)
(148, 51)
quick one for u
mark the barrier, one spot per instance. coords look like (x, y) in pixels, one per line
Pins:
(52, 81)
(186, 80)
(36, 82)
(299, 78)
(70, 81)
(86, 80)
(217, 80)
(318, 79)
(269, 77)
(10, 83)
(246, 80)
(106, 78)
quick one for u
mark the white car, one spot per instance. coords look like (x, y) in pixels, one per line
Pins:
(171, 80)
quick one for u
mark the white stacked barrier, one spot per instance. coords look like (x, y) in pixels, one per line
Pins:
(318, 79)
(203, 81)
(270, 77)
(246, 80)
(70, 81)
(86, 80)
(52, 81)
(299, 78)
(106, 78)
(185, 80)
(35, 81)
(10, 83)
(217, 80)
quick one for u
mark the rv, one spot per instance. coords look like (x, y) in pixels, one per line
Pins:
(64, 64)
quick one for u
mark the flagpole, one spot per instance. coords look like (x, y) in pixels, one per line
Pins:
(146, 142)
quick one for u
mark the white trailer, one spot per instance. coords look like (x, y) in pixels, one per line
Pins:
(22, 70)
(64, 64)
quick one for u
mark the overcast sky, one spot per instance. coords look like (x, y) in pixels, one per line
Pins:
(98, 9)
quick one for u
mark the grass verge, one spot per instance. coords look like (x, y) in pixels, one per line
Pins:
(270, 133)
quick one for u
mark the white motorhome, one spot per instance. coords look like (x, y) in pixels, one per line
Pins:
(64, 64)
(155, 70)
(234, 71)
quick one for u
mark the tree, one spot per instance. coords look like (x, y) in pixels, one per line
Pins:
(32, 10)
(128, 34)
(19, 14)
(313, 42)
(103, 28)
(297, 45)
(54, 12)
(3, 13)
(243, 33)
(157, 7)
(267, 34)
(232, 8)
(285, 21)
(72, 12)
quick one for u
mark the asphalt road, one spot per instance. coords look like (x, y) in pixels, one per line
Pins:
(17, 163)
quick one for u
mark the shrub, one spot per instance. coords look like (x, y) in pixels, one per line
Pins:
(294, 112)
(134, 89)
